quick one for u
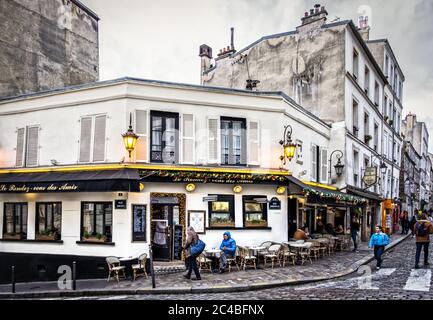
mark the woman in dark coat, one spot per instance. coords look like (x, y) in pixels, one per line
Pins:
(191, 239)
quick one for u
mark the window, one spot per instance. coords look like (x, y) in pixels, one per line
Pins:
(233, 140)
(376, 94)
(255, 212)
(222, 211)
(366, 165)
(367, 136)
(323, 165)
(188, 139)
(386, 65)
(400, 90)
(49, 219)
(141, 129)
(355, 167)
(367, 80)
(92, 138)
(164, 137)
(355, 63)
(27, 149)
(96, 221)
(299, 155)
(355, 118)
(376, 136)
(385, 144)
(385, 106)
(15, 221)
(138, 222)
(314, 163)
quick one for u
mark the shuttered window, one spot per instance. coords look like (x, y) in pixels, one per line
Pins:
(253, 142)
(188, 139)
(324, 165)
(27, 149)
(92, 138)
(314, 162)
(213, 140)
(141, 129)
(19, 162)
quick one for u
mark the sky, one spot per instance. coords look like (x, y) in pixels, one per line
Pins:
(160, 39)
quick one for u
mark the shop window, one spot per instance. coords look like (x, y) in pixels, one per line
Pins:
(233, 141)
(15, 221)
(222, 211)
(96, 221)
(48, 221)
(255, 212)
(138, 222)
(164, 137)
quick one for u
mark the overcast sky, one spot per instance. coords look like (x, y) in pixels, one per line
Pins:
(160, 39)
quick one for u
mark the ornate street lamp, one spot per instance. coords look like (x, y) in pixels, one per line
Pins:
(288, 146)
(130, 138)
(383, 167)
(339, 167)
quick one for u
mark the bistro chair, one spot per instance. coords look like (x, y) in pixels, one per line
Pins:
(140, 268)
(234, 260)
(114, 268)
(305, 253)
(246, 259)
(204, 263)
(315, 249)
(274, 254)
(266, 245)
(286, 255)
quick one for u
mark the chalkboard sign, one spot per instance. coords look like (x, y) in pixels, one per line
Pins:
(275, 204)
(178, 232)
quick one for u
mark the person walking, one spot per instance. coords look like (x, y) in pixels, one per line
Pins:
(412, 225)
(423, 228)
(354, 229)
(191, 239)
(378, 241)
(404, 221)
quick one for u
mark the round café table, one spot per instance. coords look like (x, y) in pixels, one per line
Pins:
(214, 256)
(128, 262)
(253, 249)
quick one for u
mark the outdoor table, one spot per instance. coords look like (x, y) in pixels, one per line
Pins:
(252, 249)
(127, 262)
(298, 246)
(214, 256)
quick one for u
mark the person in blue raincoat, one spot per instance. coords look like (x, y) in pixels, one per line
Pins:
(378, 241)
(228, 247)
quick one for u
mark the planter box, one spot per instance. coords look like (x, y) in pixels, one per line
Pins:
(46, 237)
(94, 239)
(12, 236)
(256, 224)
(222, 224)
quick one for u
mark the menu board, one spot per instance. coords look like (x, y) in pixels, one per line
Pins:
(177, 246)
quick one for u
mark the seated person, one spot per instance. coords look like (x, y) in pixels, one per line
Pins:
(301, 234)
(228, 246)
(330, 229)
(319, 227)
(339, 229)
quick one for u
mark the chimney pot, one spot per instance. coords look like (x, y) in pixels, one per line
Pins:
(323, 8)
(228, 48)
(306, 14)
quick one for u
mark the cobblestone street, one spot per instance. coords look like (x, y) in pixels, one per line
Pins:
(396, 280)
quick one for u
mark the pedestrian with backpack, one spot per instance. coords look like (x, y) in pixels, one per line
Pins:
(378, 241)
(192, 251)
(423, 228)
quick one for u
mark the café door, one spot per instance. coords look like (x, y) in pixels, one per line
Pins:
(164, 218)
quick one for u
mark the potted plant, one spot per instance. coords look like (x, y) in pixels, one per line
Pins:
(367, 137)
(219, 222)
(256, 223)
(49, 234)
(12, 236)
(97, 237)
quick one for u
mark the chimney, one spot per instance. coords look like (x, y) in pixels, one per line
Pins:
(316, 14)
(232, 37)
(364, 28)
(206, 57)
(226, 51)
(252, 84)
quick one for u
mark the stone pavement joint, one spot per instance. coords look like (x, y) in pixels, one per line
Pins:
(341, 263)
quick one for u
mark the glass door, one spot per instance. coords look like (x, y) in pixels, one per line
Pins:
(162, 231)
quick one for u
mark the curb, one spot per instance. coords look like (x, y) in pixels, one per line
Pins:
(204, 289)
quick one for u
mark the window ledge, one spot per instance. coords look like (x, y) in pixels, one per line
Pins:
(32, 240)
(97, 243)
(239, 228)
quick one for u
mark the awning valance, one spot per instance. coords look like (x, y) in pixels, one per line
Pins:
(364, 193)
(70, 181)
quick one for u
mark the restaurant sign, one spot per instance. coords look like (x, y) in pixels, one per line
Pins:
(370, 176)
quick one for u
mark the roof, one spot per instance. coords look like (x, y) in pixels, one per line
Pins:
(390, 49)
(163, 83)
(86, 9)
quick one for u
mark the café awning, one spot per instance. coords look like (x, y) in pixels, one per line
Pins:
(364, 193)
(70, 181)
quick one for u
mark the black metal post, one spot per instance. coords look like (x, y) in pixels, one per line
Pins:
(13, 278)
(152, 271)
(74, 275)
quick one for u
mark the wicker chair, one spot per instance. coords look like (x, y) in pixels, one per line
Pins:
(234, 260)
(305, 253)
(315, 249)
(140, 268)
(286, 255)
(204, 263)
(274, 254)
(114, 268)
(246, 259)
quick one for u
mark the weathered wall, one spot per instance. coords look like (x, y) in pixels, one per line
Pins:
(307, 66)
(378, 51)
(45, 44)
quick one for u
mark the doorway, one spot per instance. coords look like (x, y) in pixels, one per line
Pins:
(167, 231)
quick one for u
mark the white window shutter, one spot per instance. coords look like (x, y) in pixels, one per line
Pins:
(188, 139)
(19, 162)
(99, 139)
(32, 147)
(85, 139)
(313, 162)
(141, 129)
(213, 135)
(324, 165)
(253, 134)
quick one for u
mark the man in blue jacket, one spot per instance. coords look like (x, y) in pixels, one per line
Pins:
(228, 246)
(378, 241)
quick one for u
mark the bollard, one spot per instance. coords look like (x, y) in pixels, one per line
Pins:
(74, 275)
(13, 279)
(152, 272)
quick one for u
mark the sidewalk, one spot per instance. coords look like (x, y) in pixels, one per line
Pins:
(336, 265)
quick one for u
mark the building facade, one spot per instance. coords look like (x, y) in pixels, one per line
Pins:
(410, 179)
(46, 44)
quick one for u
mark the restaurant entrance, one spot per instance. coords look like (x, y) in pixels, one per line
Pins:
(167, 226)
